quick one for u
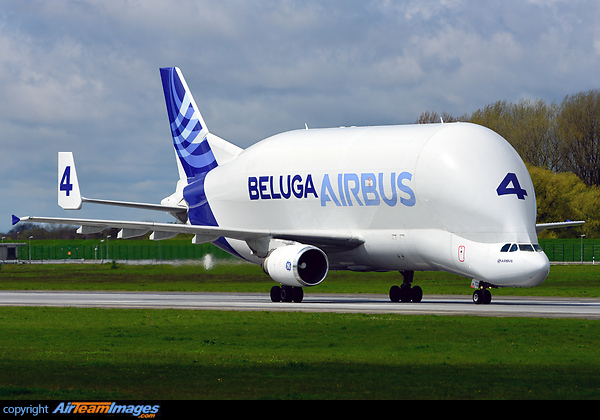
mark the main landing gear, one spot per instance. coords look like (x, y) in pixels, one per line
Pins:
(482, 295)
(287, 294)
(406, 292)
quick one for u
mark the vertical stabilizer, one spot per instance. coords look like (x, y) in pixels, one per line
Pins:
(187, 125)
(198, 150)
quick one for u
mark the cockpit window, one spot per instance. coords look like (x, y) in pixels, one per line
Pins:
(521, 247)
(526, 247)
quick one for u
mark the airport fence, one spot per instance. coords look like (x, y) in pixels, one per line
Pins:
(572, 252)
(120, 252)
(556, 250)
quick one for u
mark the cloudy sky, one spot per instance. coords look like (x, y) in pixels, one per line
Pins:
(82, 76)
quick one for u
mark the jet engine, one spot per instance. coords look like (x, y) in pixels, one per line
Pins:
(297, 265)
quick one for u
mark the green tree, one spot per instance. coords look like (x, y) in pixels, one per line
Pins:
(529, 126)
(579, 131)
(431, 117)
(563, 196)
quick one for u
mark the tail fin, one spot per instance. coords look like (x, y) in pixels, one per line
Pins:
(187, 126)
(69, 197)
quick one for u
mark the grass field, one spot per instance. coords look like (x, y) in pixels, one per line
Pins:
(69, 353)
(76, 354)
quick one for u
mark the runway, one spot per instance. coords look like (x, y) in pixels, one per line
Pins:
(588, 308)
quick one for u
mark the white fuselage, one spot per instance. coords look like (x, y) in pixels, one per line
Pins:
(422, 197)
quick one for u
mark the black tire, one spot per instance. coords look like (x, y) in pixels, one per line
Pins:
(405, 293)
(487, 297)
(275, 294)
(416, 294)
(298, 294)
(395, 293)
(478, 297)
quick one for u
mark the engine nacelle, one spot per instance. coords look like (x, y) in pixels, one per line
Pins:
(297, 265)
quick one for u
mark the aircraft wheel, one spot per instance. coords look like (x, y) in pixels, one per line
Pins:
(487, 296)
(405, 293)
(482, 296)
(416, 294)
(287, 294)
(395, 293)
(275, 294)
(298, 294)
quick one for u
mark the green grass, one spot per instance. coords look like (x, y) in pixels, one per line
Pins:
(567, 280)
(163, 277)
(75, 354)
(69, 353)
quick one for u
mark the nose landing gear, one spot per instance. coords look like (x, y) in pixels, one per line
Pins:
(482, 295)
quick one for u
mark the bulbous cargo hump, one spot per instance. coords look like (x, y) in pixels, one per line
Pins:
(475, 185)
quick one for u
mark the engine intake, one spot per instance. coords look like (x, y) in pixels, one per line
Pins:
(297, 265)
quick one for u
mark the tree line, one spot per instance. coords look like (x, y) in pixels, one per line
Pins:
(560, 143)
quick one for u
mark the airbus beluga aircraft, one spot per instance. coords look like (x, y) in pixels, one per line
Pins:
(452, 197)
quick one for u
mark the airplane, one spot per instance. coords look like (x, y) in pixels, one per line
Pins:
(453, 197)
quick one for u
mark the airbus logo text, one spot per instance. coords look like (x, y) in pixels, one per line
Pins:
(347, 189)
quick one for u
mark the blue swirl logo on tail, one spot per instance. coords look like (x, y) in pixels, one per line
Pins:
(187, 126)
(193, 150)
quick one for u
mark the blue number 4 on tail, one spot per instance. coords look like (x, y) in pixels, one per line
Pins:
(65, 182)
(504, 189)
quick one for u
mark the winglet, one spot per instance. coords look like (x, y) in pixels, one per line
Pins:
(15, 220)
(69, 197)
(555, 225)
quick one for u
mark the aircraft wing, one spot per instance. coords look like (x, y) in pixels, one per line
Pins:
(257, 240)
(541, 226)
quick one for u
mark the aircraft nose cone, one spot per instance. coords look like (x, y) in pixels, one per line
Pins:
(538, 268)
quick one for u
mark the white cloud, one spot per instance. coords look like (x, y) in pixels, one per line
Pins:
(83, 75)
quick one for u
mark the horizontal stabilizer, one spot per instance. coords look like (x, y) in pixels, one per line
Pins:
(70, 198)
(178, 212)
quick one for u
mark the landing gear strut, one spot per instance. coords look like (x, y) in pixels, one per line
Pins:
(406, 292)
(287, 294)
